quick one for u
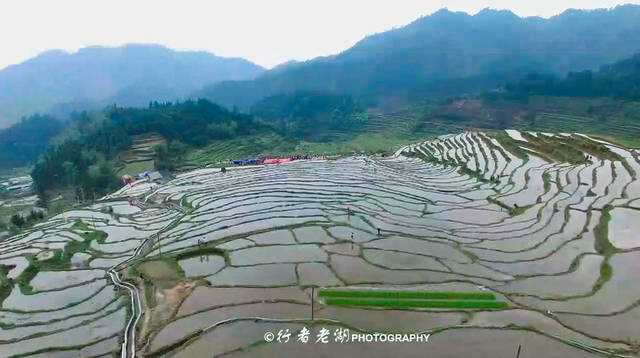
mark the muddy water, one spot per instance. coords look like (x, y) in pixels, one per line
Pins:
(312, 234)
(285, 228)
(448, 344)
(617, 294)
(202, 265)
(538, 321)
(51, 300)
(579, 282)
(180, 328)
(102, 328)
(624, 228)
(259, 275)
(316, 274)
(382, 320)
(622, 326)
(277, 254)
(51, 280)
(418, 246)
(231, 337)
(401, 260)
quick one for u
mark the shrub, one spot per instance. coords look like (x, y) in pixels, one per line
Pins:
(17, 220)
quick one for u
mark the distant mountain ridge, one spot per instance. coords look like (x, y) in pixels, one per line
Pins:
(449, 53)
(131, 75)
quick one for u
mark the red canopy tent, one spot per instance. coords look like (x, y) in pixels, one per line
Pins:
(277, 160)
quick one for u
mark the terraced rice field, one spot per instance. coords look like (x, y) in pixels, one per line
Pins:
(214, 260)
(140, 156)
(617, 126)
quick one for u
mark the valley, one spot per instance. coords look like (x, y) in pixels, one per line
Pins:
(319, 179)
(212, 260)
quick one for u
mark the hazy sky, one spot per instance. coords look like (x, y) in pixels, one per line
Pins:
(267, 32)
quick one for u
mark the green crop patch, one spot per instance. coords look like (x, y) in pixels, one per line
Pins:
(411, 299)
(408, 294)
(413, 303)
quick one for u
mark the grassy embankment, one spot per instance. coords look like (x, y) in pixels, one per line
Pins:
(380, 134)
(610, 119)
(604, 247)
(61, 259)
(136, 167)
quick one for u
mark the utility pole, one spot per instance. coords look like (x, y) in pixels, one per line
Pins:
(313, 289)
(519, 347)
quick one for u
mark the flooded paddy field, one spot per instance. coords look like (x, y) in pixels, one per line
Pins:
(214, 260)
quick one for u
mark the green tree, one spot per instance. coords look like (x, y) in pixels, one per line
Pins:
(70, 172)
(177, 149)
(17, 221)
(43, 199)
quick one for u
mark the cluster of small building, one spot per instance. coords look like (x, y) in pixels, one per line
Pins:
(253, 161)
(147, 176)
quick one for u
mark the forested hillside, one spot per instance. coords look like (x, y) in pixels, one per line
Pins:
(621, 80)
(26, 140)
(449, 53)
(83, 157)
(310, 115)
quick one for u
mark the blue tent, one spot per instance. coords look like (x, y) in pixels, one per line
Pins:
(238, 161)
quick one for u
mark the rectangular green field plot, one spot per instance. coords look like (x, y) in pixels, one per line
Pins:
(402, 303)
(409, 294)
(409, 299)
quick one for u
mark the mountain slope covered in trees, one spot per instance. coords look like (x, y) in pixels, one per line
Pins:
(83, 158)
(85, 155)
(57, 82)
(310, 115)
(449, 53)
(23, 142)
(620, 80)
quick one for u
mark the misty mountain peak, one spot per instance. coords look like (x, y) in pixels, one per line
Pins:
(59, 82)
